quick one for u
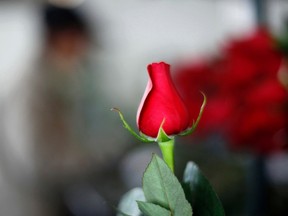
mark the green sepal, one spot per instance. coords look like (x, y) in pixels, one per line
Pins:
(140, 137)
(195, 124)
(162, 136)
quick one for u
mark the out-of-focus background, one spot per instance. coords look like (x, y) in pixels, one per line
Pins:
(65, 63)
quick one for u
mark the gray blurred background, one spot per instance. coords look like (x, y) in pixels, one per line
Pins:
(62, 152)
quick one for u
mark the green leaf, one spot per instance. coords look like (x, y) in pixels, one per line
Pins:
(200, 193)
(161, 187)
(128, 205)
(150, 209)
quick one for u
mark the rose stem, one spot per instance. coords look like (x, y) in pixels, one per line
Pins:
(167, 149)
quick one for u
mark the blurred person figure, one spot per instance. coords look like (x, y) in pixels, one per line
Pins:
(62, 122)
(63, 93)
(64, 102)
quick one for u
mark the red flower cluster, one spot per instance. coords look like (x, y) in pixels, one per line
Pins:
(245, 98)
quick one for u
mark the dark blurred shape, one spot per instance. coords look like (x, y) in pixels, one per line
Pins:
(66, 30)
(261, 11)
(57, 19)
(83, 200)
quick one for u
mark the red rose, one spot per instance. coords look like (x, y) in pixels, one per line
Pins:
(161, 101)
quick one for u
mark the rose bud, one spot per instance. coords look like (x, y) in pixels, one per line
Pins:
(161, 105)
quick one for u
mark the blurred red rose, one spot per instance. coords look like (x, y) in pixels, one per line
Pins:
(245, 99)
(204, 76)
(161, 101)
(250, 60)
